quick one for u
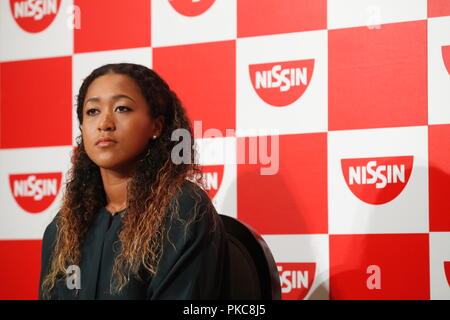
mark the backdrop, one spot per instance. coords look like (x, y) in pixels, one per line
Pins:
(324, 125)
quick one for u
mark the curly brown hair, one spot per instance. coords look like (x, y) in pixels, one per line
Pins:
(155, 181)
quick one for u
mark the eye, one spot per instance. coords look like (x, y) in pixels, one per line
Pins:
(89, 113)
(123, 109)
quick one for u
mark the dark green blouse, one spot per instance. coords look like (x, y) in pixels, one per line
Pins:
(192, 264)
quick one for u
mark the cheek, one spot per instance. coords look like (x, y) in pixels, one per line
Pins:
(137, 139)
(87, 135)
(89, 138)
(137, 131)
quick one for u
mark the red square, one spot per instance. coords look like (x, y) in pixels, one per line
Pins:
(263, 17)
(203, 77)
(20, 269)
(112, 24)
(378, 77)
(36, 104)
(1, 88)
(379, 267)
(439, 176)
(438, 8)
(292, 201)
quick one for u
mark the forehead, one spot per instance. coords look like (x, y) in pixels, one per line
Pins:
(113, 84)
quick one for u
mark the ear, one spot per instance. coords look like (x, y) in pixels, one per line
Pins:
(158, 125)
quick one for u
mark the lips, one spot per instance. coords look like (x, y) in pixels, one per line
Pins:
(105, 141)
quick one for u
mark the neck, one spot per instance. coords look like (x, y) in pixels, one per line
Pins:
(115, 186)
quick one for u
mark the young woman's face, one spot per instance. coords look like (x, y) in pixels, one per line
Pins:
(115, 108)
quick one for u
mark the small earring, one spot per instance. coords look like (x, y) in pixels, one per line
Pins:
(154, 137)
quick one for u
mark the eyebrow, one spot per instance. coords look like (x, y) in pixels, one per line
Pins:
(114, 97)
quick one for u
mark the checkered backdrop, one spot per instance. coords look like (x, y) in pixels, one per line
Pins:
(353, 201)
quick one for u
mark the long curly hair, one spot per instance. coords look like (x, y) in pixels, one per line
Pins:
(155, 182)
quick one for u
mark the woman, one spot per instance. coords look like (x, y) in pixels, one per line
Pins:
(131, 224)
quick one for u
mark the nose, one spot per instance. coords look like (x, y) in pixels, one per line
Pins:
(106, 121)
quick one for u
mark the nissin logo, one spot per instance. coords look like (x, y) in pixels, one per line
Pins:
(191, 8)
(446, 57)
(34, 15)
(296, 279)
(281, 83)
(213, 176)
(377, 180)
(35, 192)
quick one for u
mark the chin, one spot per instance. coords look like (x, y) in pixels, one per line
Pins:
(115, 165)
(107, 165)
(107, 162)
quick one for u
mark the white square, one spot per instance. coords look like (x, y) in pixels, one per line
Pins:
(219, 154)
(307, 100)
(438, 71)
(373, 13)
(439, 255)
(407, 209)
(169, 27)
(304, 249)
(18, 44)
(15, 222)
(83, 64)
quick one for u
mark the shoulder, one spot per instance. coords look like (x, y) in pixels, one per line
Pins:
(192, 200)
(190, 191)
(193, 211)
(49, 236)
